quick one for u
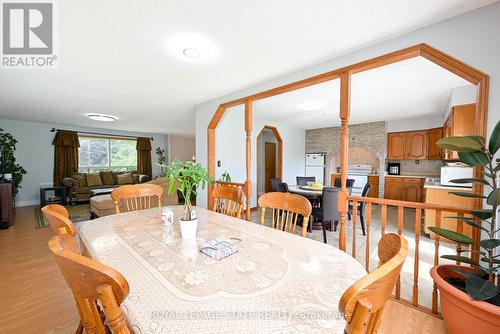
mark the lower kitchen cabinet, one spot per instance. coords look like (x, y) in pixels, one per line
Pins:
(404, 189)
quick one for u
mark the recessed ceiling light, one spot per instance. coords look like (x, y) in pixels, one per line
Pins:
(191, 53)
(102, 117)
(313, 106)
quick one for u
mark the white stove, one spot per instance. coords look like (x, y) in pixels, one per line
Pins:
(359, 173)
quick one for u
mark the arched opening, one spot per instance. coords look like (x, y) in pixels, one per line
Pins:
(269, 158)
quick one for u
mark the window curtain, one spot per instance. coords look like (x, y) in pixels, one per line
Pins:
(144, 157)
(66, 146)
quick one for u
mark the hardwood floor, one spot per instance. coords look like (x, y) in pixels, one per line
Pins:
(33, 295)
(35, 299)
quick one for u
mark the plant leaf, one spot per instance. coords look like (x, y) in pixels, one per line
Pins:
(465, 194)
(494, 144)
(495, 261)
(472, 223)
(470, 180)
(480, 289)
(459, 144)
(482, 214)
(494, 197)
(473, 159)
(452, 235)
(490, 243)
(463, 259)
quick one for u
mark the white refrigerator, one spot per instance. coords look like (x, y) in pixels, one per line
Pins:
(315, 166)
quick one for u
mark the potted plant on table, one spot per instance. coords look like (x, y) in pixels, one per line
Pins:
(470, 299)
(187, 178)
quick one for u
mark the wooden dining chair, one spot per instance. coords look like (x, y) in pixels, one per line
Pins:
(363, 302)
(228, 200)
(137, 196)
(91, 281)
(58, 218)
(286, 209)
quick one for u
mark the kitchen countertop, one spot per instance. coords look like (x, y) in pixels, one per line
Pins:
(410, 176)
(436, 185)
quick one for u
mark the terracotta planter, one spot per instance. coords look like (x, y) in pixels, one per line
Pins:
(461, 314)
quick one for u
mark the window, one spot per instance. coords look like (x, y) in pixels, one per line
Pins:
(106, 153)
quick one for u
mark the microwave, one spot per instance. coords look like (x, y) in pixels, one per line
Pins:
(449, 173)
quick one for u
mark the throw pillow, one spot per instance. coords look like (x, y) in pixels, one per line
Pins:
(125, 178)
(80, 178)
(107, 178)
(93, 179)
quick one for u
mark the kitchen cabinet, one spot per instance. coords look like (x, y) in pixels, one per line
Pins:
(442, 196)
(393, 188)
(460, 122)
(434, 152)
(374, 181)
(416, 145)
(412, 190)
(396, 146)
(409, 145)
(404, 188)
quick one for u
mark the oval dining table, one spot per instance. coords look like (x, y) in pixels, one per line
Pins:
(277, 282)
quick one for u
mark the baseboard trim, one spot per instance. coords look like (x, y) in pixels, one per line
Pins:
(27, 203)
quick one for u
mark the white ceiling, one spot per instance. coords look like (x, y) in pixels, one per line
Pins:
(412, 88)
(124, 57)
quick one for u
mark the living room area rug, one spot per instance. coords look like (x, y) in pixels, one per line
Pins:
(77, 213)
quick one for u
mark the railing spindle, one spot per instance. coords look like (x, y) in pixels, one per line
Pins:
(368, 223)
(383, 218)
(460, 229)
(436, 262)
(400, 232)
(354, 218)
(418, 222)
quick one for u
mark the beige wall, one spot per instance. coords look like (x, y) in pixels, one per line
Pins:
(181, 147)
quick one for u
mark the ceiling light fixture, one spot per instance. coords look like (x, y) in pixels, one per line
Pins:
(101, 117)
(313, 106)
(191, 53)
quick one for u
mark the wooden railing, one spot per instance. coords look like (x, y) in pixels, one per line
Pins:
(415, 232)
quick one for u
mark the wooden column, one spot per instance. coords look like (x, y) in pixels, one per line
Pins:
(345, 99)
(248, 132)
(211, 165)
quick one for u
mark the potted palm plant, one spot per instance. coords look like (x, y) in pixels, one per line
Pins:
(470, 299)
(187, 178)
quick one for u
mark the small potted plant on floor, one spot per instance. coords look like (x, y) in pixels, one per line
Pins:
(470, 299)
(187, 178)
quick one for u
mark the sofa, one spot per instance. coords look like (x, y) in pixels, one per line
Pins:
(103, 205)
(80, 184)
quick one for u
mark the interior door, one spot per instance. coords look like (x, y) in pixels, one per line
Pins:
(269, 165)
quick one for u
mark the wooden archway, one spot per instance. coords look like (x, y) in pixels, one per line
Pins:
(279, 169)
(474, 76)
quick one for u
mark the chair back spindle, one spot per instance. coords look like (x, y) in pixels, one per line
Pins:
(228, 200)
(137, 196)
(286, 210)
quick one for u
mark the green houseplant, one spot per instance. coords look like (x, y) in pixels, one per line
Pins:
(187, 177)
(469, 296)
(8, 159)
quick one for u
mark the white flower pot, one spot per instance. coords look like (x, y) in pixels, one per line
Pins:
(188, 229)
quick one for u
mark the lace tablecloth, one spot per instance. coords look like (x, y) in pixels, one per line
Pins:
(277, 282)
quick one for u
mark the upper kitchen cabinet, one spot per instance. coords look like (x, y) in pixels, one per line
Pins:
(434, 152)
(460, 122)
(410, 145)
(396, 146)
(416, 145)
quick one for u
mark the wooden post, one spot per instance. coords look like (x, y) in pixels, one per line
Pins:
(248, 131)
(211, 165)
(345, 99)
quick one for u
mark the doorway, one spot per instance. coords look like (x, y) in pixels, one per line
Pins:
(269, 158)
(269, 165)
